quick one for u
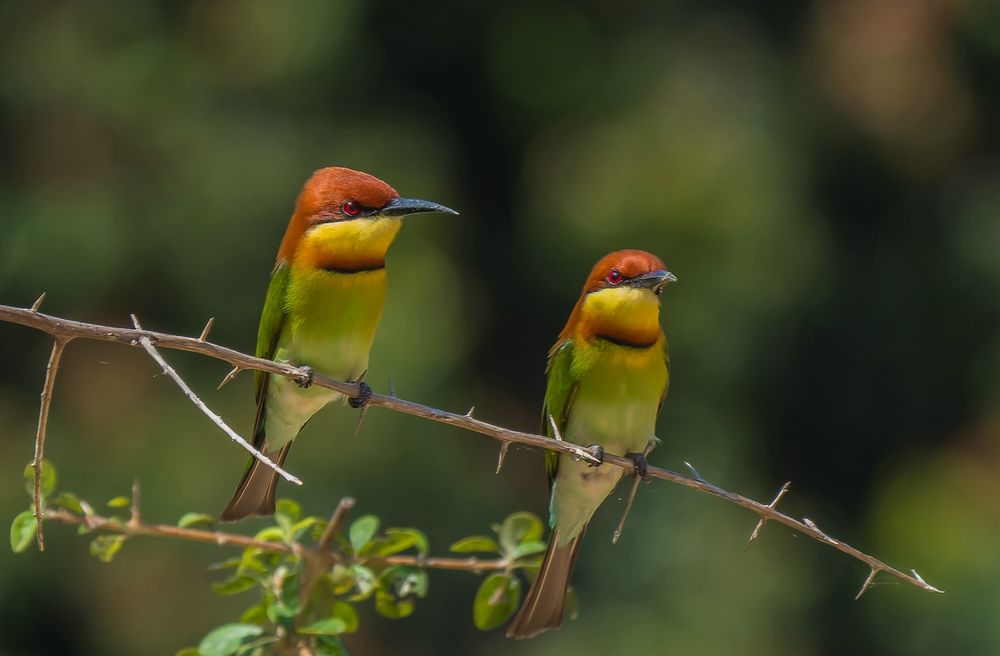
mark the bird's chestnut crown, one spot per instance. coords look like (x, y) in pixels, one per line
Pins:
(627, 267)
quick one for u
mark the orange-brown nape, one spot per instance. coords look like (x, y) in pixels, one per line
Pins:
(323, 199)
(610, 308)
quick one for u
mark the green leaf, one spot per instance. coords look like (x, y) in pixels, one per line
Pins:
(233, 585)
(496, 600)
(188, 651)
(23, 530)
(104, 547)
(405, 581)
(48, 479)
(393, 542)
(346, 614)
(387, 605)
(288, 508)
(329, 646)
(364, 580)
(225, 640)
(361, 531)
(328, 626)
(476, 544)
(270, 534)
(528, 548)
(69, 501)
(193, 519)
(300, 527)
(118, 502)
(520, 527)
(419, 539)
(254, 615)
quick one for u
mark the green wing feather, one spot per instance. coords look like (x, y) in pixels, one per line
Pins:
(272, 318)
(559, 395)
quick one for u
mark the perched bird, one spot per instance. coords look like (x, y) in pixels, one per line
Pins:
(607, 377)
(322, 308)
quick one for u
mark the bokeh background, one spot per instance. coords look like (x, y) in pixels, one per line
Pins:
(822, 177)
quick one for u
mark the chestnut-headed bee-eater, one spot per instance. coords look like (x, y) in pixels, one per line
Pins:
(322, 307)
(607, 377)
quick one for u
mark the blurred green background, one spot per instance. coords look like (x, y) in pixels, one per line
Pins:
(822, 177)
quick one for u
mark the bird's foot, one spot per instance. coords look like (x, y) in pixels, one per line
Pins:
(597, 451)
(364, 395)
(305, 381)
(641, 466)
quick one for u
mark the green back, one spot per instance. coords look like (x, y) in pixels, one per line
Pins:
(560, 391)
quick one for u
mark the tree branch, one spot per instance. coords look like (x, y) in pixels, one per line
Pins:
(67, 329)
(147, 344)
(318, 552)
(43, 424)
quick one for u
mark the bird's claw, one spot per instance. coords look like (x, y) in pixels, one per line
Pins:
(597, 451)
(641, 466)
(364, 395)
(305, 381)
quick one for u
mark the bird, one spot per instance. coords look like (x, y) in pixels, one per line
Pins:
(607, 378)
(321, 311)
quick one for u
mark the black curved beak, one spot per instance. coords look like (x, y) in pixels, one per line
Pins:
(404, 206)
(654, 281)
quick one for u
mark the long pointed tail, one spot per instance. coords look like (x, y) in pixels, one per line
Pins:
(255, 493)
(543, 607)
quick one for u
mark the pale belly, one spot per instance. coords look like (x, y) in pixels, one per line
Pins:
(343, 312)
(616, 407)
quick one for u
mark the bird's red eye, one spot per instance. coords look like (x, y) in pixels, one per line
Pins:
(350, 208)
(615, 277)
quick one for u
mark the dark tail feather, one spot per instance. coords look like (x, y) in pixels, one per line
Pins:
(543, 608)
(255, 493)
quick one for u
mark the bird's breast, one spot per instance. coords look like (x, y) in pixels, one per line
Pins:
(333, 317)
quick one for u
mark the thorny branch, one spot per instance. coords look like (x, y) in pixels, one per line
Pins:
(320, 551)
(147, 344)
(67, 329)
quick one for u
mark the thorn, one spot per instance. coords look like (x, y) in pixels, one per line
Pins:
(361, 420)
(628, 507)
(503, 454)
(867, 584)
(774, 502)
(135, 322)
(469, 413)
(38, 303)
(392, 390)
(206, 329)
(694, 471)
(555, 429)
(229, 377)
(927, 586)
(587, 456)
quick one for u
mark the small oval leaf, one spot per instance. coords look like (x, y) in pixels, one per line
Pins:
(49, 479)
(233, 585)
(346, 613)
(388, 606)
(362, 531)
(193, 519)
(104, 547)
(476, 544)
(496, 600)
(23, 530)
(225, 640)
(520, 527)
(118, 502)
(329, 626)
